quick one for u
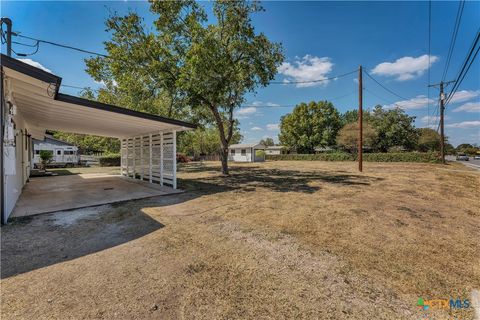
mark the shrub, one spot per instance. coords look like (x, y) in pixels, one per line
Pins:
(431, 157)
(181, 158)
(330, 156)
(110, 160)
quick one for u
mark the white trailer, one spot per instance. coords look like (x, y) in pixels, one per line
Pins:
(63, 153)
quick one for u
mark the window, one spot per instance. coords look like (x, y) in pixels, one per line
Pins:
(232, 152)
(37, 151)
(244, 152)
(59, 152)
(68, 152)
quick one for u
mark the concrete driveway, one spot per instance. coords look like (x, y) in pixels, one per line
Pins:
(49, 194)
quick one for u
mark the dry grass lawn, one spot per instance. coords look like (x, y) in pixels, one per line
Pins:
(275, 240)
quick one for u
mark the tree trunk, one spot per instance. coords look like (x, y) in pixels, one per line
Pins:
(224, 159)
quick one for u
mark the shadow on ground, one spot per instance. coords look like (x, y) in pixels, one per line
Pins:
(42, 240)
(277, 180)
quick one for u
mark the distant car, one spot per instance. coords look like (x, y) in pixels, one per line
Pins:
(462, 157)
(477, 157)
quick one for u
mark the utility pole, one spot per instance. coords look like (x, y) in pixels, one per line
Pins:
(442, 117)
(8, 22)
(360, 120)
(442, 123)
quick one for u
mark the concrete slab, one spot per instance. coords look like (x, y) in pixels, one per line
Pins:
(49, 194)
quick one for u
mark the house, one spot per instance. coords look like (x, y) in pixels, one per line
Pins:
(323, 149)
(31, 103)
(63, 153)
(275, 150)
(252, 152)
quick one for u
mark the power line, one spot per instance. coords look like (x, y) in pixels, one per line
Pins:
(107, 56)
(314, 81)
(465, 67)
(294, 105)
(61, 45)
(461, 4)
(392, 92)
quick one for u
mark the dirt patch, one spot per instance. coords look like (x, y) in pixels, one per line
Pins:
(275, 240)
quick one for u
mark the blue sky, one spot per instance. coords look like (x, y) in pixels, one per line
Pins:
(320, 39)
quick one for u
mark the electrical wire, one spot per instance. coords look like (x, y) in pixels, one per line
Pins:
(465, 67)
(314, 81)
(387, 89)
(61, 45)
(106, 56)
(293, 105)
(461, 4)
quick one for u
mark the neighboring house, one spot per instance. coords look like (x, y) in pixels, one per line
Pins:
(275, 150)
(63, 153)
(253, 152)
(323, 149)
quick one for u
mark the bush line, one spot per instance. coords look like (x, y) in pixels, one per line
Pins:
(430, 157)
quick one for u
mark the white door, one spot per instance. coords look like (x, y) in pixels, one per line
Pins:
(58, 155)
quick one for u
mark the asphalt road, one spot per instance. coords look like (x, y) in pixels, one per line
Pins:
(471, 163)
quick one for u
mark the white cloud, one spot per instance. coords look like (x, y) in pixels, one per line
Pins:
(246, 111)
(415, 103)
(260, 103)
(35, 64)
(102, 83)
(256, 129)
(307, 68)
(432, 121)
(468, 107)
(405, 68)
(272, 126)
(464, 95)
(464, 124)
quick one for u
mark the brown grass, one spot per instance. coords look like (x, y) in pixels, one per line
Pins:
(274, 240)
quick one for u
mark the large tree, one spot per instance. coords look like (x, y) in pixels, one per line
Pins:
(208, 65)
(310, 125)
(428, 140)
(394, 129)
(267, 142)
(204, 141)
(348, 136)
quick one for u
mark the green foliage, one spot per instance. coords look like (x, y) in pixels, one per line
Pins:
(394, 128)
(267, 142)
(88, 143)
(429, 157)
(467, 149)
(309, 126)
(111, 160)
(189, 60)
(259, 153)
(46, 156)
(428, 140)
(348, 136)
(204, 141)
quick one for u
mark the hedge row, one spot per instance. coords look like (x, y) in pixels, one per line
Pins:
(371, 157)
(111, 160)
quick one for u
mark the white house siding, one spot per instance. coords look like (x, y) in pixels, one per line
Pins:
(14, 183)
(238, 157)
(273, 152)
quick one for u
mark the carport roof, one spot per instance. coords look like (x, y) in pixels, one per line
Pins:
(36, 94)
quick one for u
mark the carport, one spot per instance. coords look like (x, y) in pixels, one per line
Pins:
(32, 104)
